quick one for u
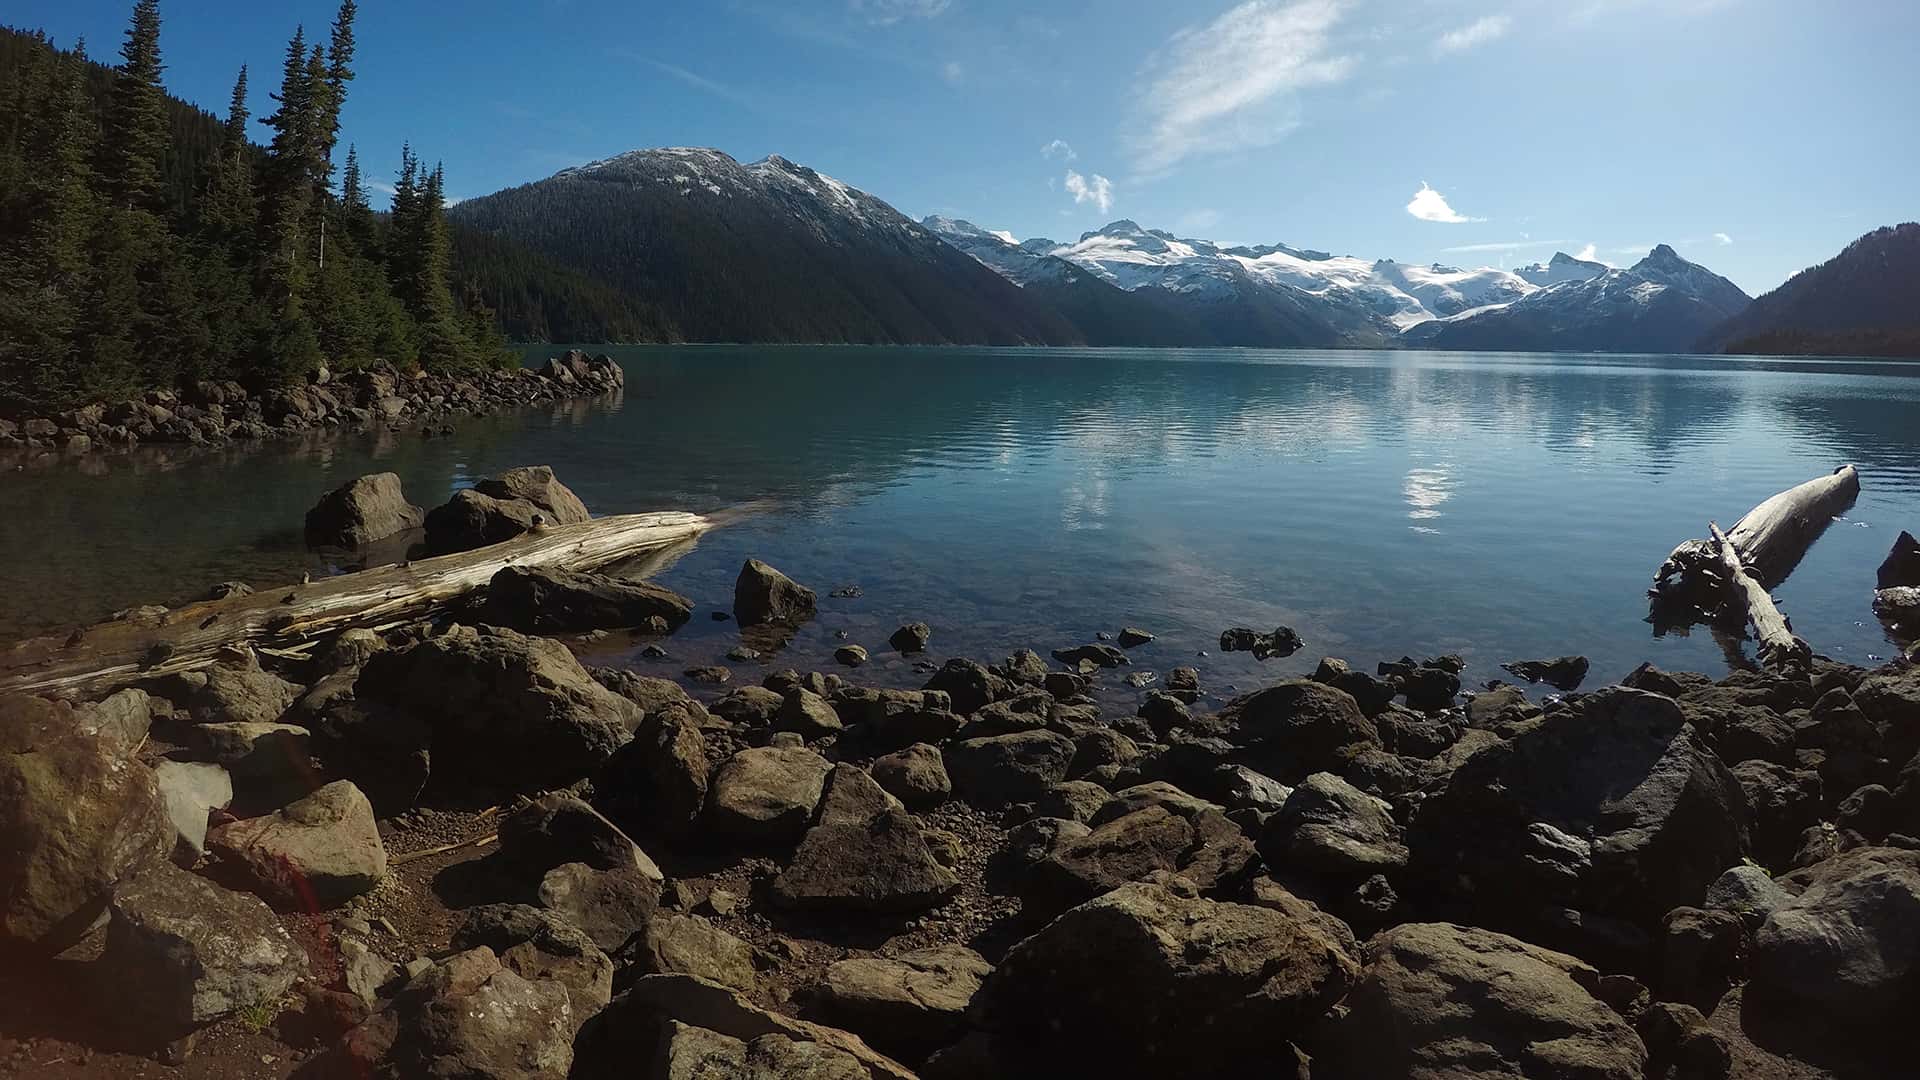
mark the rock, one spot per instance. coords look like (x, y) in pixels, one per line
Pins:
(1902, 564)
(1283, 642)
(762, 595)
(749, 706)
(850, 655)
(643, 690)
(190, 790)
(766, 794)
(183, 952)
(468, 1017)
(690, 945)
(911, 1004)
(362, 511)
(1747, 891)
(1296, 728)
(881, 864)
(76, 817)
(852, 797)
(1329, 826)
(1784, 803)
(656, 784)
(711, 674)
(1146, 982)
(911, 638)
(324, 849)
(1105, 656)
(659, 1012)
(501, 508)
(807, 714)
(609, 906)
(1437, 1001)
(1133, 637)
(896, 719)
(1564, 672)
(1430, 689)
(550, 600)
(1849, 944)
(968, 685)
(1702, 953)
(386, 751)
(120, 721)
(1199, 844)
(238, 692)
(917, 776)
(999, 769)
(1625, 768)
(1074, 800)
(559, 828)
(507, 710)
(268, 762)
(541, 945)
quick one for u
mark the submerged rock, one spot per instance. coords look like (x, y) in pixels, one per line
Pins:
(1565, 672)
(356, 514)
(762, 595)
(501, 508)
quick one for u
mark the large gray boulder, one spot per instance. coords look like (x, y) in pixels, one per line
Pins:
(675, 944)
(76, 816)
(656, 784)
(506, 710)
(879, 864)
(542, 945)
(191, 790)
(1849, 943)
(911, 1004)
(370, 508)
(1438, 1001)
(1623, 777)
(1196, 842)
(236, 691)
(766, 794)
(997, 769)
(762, 594)
(1329, 826)
(182, 951)
(1148, 982)
(548, 600)
(120, 720)
(1295, 728)
(501, 508)
(917, 776)
(322, 850)
(467, 1016)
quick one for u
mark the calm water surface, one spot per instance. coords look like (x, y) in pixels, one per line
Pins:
(1497, 506)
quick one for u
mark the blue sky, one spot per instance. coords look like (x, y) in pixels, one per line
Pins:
(1756, 136)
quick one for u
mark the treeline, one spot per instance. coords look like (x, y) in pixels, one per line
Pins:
(1895, 342)
(145, 244)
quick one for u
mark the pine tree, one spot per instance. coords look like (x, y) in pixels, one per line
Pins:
(137, 136)
(339, 74)
(229, 209)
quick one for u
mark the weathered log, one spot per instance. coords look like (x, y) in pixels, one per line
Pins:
(1778, 647)
(1773, 537)
(102, 658)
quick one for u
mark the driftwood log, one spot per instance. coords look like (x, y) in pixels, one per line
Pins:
(1730, 573)
(99, 659)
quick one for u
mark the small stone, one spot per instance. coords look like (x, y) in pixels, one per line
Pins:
(911, 638)
(1133, 636)
(711, 674)
(850, 655)
(722, 904)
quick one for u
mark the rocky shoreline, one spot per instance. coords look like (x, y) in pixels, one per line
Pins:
(220, 413)
(454, 848)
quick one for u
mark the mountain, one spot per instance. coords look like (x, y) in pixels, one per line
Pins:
(769, 251)
(1663, 303)
(1562, 268)
(1864, 301)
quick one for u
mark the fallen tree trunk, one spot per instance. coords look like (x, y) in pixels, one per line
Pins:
(1730, 572)
(104, 657)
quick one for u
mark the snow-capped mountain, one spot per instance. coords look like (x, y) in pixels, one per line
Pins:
(1562, 268)
(1663, 303)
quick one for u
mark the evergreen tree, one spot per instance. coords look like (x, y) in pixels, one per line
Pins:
(137, 136)
(339, 73)
(229, 209)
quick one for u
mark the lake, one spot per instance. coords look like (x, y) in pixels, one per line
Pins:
(1496, 506)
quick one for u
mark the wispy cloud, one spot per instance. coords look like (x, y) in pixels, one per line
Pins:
(696, 80)
(1058, 148)
(1097, 190)
(1229, 85)
(888, 12)
(1430, 205)
(1501, 245)
(1588, 254)
(1478, 32)
(1198, 221)
(1722, 239)
(953, 71)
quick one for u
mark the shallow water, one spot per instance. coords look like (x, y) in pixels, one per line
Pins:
(1496, 506)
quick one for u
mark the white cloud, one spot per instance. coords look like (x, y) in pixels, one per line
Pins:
(1722, 239)
(1430, 205)
(1098, 190)
(1588, 254)
(1478, 32)
(1058, 148)
(953, 72)
(1525, 242)
(888, 12)
(1198, 221)
(1005, 235)
(1228, 85)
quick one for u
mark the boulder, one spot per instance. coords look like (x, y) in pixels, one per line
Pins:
(183, 952)
(998, 769)
(542, 945)
(690, 945)
(750, 706)
(762, 595)
(1105, 656)
(385, 750)
(501, 508)
(516, 712)
(851, 796)
(1329, 826)
(549, 600)
(1200, 845)
(467, 1016)
(806, 714)
(321, 850)
(1283, 642)
(969, 685)
(880, 864)
(766, 794)
(237, 691)
(559, 828)
(1626, 770)
(120, 721)
(1296, 728)
(851, 655)
(191, 790)
(917, 776)
(1148, 982)
(656, 784)
(362, 511)
(911, 638)
(269, 763)
(1562, 672)
(609, 906)
(909, 1005)
(896, 719)
(1437, 1001)
(1848, 944)
(75, 818)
